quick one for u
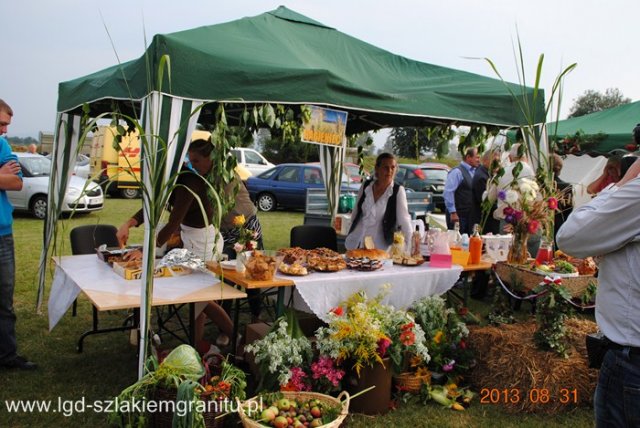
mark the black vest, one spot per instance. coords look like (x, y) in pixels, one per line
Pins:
(389, 219)
(463, 195)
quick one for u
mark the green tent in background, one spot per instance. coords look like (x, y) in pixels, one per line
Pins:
(276, 57)
(600, 133)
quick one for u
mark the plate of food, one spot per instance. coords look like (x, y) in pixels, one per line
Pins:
(326, 264)
(408, 260)
(228, 264)
(364, 264)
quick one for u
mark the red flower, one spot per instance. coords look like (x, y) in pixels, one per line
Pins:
(533, 225)
(407, 338)
(408, 326)
(338, 311)
(463, 311)
(552, 203)
(383, 344)
(462, 344)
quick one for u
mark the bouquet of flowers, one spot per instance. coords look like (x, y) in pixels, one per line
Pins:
(445, 334)
(246, 237)
(281, 353)
(367, 331)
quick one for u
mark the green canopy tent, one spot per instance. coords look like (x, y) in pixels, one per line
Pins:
(600, 133)
(276, 57)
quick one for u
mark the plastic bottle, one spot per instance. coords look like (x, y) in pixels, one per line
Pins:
(475, 246)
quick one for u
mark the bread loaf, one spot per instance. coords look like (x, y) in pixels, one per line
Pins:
(374, 254)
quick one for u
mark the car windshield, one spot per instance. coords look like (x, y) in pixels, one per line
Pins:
(435, 173)
(37, 166)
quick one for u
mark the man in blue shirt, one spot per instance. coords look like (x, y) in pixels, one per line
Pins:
(457, 191)
(10, 179)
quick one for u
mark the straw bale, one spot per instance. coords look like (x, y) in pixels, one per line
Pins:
(513, 373)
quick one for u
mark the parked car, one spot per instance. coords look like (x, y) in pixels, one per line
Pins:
(252, 160)
(35, 187)
(82, 167)
(425, 177)
(286, 185)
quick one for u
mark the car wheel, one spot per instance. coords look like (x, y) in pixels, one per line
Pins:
(129, 193)
(266, 202)
(39, 207)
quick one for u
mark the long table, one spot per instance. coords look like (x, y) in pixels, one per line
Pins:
(109, 291)
(319, 292)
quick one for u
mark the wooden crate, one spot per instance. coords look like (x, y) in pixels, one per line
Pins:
(523, 279)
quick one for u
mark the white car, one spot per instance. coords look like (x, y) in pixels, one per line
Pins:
(252, 160)
(82, 196)
(82, 168)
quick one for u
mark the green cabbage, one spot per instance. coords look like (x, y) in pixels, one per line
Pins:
(183, 361)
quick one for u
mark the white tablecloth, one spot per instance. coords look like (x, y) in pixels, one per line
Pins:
(320, 292)
(86, 272)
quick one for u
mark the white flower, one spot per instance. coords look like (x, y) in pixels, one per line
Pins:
(511, 197)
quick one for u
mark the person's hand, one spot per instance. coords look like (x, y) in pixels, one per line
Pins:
(133, 255)
(454, 217)
(10, 168)
(123, 232)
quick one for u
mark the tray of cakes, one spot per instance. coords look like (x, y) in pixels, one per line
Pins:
(366, 259)
(299, 262)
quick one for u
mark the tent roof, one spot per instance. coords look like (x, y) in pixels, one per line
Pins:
(284, 57)
(616, 124)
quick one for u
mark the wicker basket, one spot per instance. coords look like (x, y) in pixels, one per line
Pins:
(410, 382)
(522, 279)
(343, 399)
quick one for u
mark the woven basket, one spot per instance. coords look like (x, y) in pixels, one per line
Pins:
(343, 399)
(528, 280)
(409, 382)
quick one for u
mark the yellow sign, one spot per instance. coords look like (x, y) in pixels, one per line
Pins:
(326, 127)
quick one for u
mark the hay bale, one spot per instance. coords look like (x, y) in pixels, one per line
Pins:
(513, 373)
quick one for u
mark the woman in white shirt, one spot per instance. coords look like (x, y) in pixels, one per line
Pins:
(381, 208)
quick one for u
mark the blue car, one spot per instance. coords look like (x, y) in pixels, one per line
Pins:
(286, 186)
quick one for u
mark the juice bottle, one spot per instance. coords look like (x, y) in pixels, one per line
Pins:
(475, 246)
(455, 239)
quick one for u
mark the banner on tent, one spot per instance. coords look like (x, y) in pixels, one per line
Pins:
(325, 126)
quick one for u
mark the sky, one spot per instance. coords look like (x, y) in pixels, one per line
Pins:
(47, 42)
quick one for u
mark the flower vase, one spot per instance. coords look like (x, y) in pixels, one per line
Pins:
(377, 400)
(518, 253)
(241, 259)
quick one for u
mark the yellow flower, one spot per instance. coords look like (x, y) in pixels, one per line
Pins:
(238, 220)
(438, 337)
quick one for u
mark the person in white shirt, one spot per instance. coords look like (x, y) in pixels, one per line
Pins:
(381, 208)
(609, 227)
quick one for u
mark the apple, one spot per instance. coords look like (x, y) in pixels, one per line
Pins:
(316, 423)
(280, 422)
(267, 415)
(315, 412)
(284, 404)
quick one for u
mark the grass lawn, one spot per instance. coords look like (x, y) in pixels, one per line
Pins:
(109, 363)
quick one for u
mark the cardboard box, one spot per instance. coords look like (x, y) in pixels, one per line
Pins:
(133, 270)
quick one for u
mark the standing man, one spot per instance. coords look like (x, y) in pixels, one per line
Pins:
(457, 191)
(10, 179)
(607, 227)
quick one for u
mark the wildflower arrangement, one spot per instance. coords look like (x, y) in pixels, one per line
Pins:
(323, 376)
(246, 238)
(279, 353)
(366, 331)
(445, 334)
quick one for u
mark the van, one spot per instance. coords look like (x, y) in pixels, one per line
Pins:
(116, 169)
(252, 160)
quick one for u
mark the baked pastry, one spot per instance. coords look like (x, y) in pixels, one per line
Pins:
(293, 269)
(326, 264)
(374, 254)
(294, 255)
